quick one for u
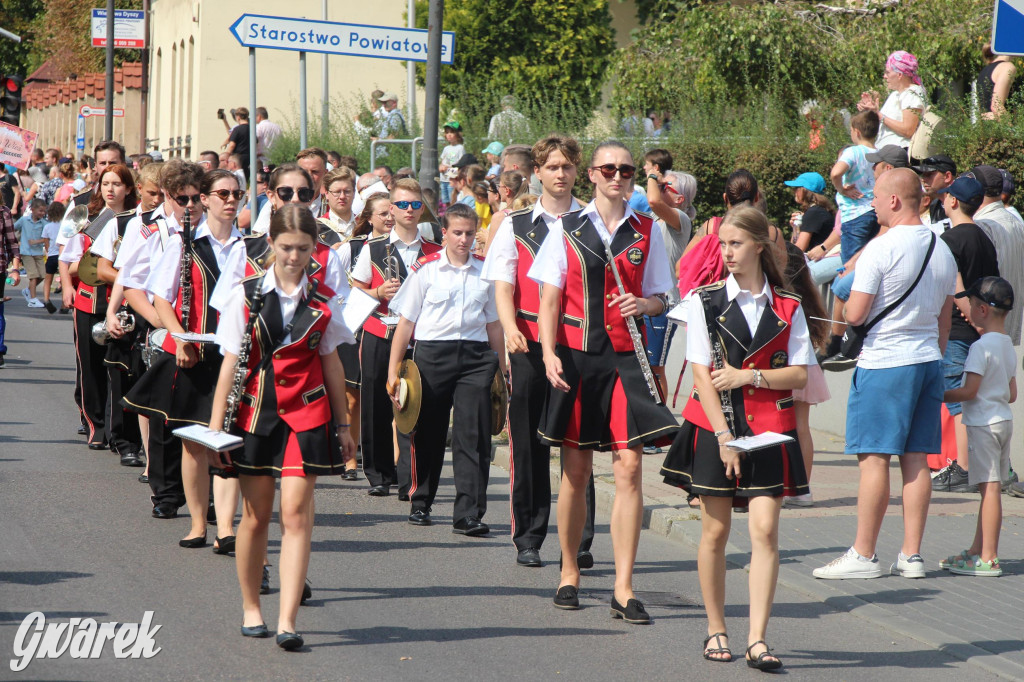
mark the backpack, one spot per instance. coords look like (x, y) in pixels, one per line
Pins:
(703, 264)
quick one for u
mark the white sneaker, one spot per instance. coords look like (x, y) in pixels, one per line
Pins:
(24, 292)
(804, 500)
(849, 565)
(35, 303)
(908, 566)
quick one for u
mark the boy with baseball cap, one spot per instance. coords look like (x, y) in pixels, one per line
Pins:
(989, 386)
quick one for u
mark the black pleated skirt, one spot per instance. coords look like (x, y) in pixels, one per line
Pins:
(349, 354)
(693, 463)
(316, 452)
(174, 394)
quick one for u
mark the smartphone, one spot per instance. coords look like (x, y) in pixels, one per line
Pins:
(220, 114)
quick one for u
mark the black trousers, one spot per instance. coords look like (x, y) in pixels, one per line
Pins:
(530, 460)
(455, 374)
(165, 464)
(123, 364)
(376, 436)
(94, 376)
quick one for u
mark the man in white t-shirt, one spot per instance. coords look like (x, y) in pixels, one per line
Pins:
(897, 388)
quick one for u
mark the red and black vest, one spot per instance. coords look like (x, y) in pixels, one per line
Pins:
(202, 318)
(756, 409)
(291, 388)
(587, 321)
(91, 299)
(326, 235)
(257, 255)
(380, 250)
(528, 234)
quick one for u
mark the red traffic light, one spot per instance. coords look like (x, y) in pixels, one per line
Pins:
(12, 85)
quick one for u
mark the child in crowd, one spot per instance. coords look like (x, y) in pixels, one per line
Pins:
(989, 386)
(54, 214)
(451, 153)
(29, 227)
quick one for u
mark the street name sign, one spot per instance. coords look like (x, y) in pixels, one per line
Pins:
(86, 111)
(1008, 27)
(329, 37)
(129, 28)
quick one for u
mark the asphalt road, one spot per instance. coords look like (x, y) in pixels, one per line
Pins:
(391, 601)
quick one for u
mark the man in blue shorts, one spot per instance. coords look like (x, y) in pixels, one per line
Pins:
(897, 387)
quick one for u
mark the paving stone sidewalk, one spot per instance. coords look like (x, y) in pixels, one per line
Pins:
(979, 621)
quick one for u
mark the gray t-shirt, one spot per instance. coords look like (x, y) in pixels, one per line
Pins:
(675, 244)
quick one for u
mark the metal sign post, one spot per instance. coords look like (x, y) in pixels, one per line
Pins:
(303, 113)
(253, 161)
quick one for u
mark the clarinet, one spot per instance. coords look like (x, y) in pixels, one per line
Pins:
(718, 361)
(634, 333)
(241, 374)
(186, 270)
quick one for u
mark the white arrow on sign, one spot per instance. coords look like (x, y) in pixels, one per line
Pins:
(329, 37)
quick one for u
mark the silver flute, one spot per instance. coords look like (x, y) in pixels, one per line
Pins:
(718, 361)
(634, 333)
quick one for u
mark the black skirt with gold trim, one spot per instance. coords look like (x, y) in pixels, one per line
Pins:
(175, 394)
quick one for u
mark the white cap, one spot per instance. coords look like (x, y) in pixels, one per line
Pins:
(78, 184)
(376, 188)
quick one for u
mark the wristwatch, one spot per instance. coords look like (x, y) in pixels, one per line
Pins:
(719, 434)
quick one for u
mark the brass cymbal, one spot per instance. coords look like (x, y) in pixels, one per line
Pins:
(411, 392)
(499, 403)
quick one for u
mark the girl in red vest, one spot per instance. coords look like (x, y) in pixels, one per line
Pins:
(761, 343)
(293, 385)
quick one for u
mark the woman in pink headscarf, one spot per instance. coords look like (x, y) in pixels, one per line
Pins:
(901, 113)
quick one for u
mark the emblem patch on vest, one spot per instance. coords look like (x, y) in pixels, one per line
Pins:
(635, 256)
(314, 340)
(780, 358)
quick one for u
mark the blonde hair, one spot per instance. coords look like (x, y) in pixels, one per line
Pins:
(524, 201)
(755, 223)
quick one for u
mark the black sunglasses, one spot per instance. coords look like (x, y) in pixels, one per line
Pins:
(609, 169)
(223, 194)
(286, 194)
(184, 199)
(402, 205)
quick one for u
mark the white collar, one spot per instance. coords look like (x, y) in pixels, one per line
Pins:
(470, 262)
(590, 211)
(732, 289)
(270, 284)
(539, 210)
(204, 231)
(395, 238)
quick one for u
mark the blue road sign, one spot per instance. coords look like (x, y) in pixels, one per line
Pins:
(1008, 27)
(330, 37)
(80, 133)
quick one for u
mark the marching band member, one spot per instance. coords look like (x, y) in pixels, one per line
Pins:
(144, 243)
(602, 392)
(763, 355)
(450, 312)
(178, 388)
(312, 160)
(279, 322)
(338, 220)
(509, 257)
(380, 270)
(90, 304)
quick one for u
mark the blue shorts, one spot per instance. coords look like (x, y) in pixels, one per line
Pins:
(659, 337)
(841, 287)
(856, 233)
(953, 370)
(895, 410)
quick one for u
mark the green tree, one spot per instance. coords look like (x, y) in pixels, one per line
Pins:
(20, 18)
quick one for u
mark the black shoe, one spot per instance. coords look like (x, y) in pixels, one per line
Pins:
(838, 363)
(82, 431)
(143, 478)
(50, 308)
(350, 475)
(132, 459)
(224, 545)
(634, 612)
(403, 497)
(567, 597)
(307, 593)
(584, 559)
(260, 631)
(102, 445)
(379, 491)
(289, 641)
(420, 517)
(529, 556)
(265, 581)
(958, 481)
(65, 311)
(193, 543)
(835, 344)
(470, 526)
(165, 510)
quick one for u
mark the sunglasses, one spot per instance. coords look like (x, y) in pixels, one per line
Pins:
(666, 187)
(402, 205)
(224, 194)
(183, 200)
(286, 194)
(609, 169)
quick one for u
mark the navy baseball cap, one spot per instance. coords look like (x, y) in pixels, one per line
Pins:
(966, 188)
(993, 291)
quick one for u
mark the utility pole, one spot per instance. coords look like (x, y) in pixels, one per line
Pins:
(144, 106)
(108, 92)
(428, 163)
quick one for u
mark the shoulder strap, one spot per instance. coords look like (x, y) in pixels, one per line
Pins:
(716, 223)
(892, 306)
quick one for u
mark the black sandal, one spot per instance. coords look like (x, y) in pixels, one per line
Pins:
(761, 662)
(719, 649)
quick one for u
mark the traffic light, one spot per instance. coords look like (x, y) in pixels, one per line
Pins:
(10, 99)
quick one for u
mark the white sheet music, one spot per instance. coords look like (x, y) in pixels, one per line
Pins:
(219, 441)
(759, 442)
(193, 337)
(356, 308)
(678, 312)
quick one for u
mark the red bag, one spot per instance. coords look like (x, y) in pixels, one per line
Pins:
(703, 264)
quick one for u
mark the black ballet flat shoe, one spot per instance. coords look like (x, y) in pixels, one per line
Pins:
(259, 631)
(143, 478)
(224, 545)
(584, 560)
(193, 543)
(82, 431)
(567, 597)
(289, 641)
(350, 475)
(265, 581)
(634, 612)
(307, 593)
(718, 649)
(763, 661)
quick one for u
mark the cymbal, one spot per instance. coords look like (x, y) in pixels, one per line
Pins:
(499, 403)
(411, 397)
(87, 269)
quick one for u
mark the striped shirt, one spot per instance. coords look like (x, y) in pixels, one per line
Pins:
(1007, 233)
